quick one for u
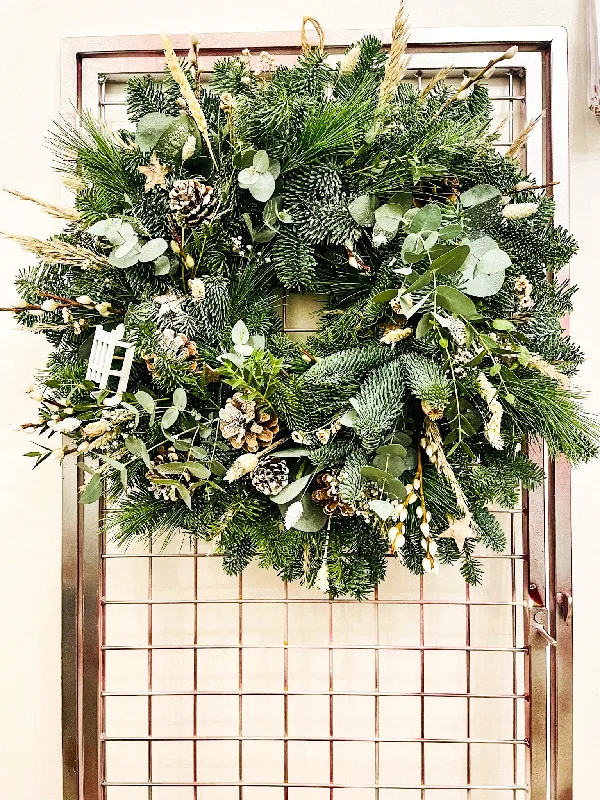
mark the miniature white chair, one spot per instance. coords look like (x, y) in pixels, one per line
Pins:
(103, 352)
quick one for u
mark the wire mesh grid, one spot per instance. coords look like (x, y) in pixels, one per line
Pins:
(246, 687)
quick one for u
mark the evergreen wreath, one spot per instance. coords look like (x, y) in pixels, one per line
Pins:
(439, 350)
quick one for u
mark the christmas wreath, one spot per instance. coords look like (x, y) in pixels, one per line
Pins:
(439, 349)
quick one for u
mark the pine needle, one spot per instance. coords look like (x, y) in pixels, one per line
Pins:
(437, 78)
(522, 137)
(187, 92)
(57, 252)
(58, 212)
(398, 59)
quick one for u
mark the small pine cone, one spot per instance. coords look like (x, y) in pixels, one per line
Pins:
(328, 497)
(182, 347)
(193, 202)
(270, 476)
(245, 425)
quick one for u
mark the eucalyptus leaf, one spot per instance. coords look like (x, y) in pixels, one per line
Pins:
(402, 199)
(452, 261)
(455, 302)
(92, 491)
(248, 177)
(385, 296)
(197, 470)
(393, 465)
(292, 490)
(388, 217)
(313, 517)
(180, 399)
(170, 417)
(198, 452)
(150, 128)
(146, 401)
(388, 482)
(427, 218)
(348, 419)
(217, 468)
(124, 249)
(137, 448)
(275, 168)
(152, 250)
(243, 349)
(449, 232)
(503, 325)
(162, 266)
(171, 142)
(392, 450)
(184, 492)
(424, 325)
(382, 508)
(130, 260)
(362, 210)
(260, 162)
(263, 187)
(478, 194)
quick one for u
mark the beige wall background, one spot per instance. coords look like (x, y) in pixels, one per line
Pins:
(30, 757)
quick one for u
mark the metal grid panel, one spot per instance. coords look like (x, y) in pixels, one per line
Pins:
(217, 687)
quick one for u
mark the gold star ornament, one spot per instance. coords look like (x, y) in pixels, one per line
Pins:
(155, 173)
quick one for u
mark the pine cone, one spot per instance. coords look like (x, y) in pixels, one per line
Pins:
(193, 202)
(328, 496)
(270, 475)
(166, 455)
(181, 347)
(245, 425)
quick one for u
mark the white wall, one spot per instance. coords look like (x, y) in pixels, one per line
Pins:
(31, 32)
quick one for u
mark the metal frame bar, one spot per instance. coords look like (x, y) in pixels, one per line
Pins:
(546, 518)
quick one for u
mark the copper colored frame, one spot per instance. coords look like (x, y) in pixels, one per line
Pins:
(546, 512)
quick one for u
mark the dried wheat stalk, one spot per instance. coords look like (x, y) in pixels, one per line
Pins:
(522, 137)
(437, 78)
(58, 212)
(398, 59)
(57, 252)
(187, 92)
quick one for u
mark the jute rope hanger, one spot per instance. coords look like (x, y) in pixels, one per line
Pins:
(306, 47)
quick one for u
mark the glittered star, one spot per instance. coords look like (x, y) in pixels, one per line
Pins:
(155, 173)
(459, 530)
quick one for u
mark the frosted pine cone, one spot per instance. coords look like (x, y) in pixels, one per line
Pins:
(193, 202)
(270, 475)
(327, 495)
(245, 425)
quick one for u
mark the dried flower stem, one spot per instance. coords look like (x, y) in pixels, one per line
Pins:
(57, 252)
(398, 60)
(433, 82)
(432, 433)
(187, 93)
(58, 212)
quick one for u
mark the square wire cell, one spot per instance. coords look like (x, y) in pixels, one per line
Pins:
(221, 688)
